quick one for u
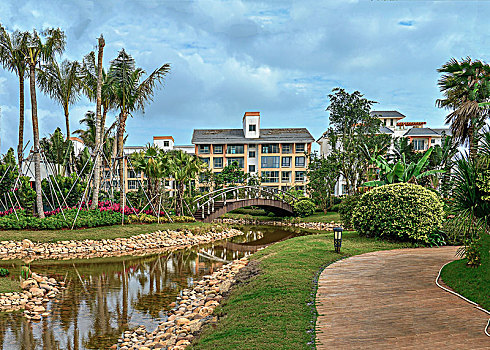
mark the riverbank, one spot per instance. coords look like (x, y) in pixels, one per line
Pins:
(319, 226)
(147, 243)
(275, 309)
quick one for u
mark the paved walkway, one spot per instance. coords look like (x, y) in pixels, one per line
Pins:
(388, 300)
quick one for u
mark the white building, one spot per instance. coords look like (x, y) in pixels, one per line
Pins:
(420, 136)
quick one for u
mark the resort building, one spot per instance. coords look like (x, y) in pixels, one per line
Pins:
(278, 156)
(420, 136)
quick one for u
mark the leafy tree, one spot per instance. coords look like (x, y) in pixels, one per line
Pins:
(12, 58)
(40, 49)
(131, 95)
(57, 151)
(351, 127)
(323, 174)
(465, 84)
(232, 175)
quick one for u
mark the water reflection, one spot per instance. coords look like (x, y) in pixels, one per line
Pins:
(104, 297)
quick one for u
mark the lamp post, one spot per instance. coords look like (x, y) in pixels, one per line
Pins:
(337, 238)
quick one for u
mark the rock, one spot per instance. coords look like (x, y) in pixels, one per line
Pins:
(36, 292)
(26, 243)
(28, 283)
(182, 321)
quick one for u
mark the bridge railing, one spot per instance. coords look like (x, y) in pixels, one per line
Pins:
(207, 201)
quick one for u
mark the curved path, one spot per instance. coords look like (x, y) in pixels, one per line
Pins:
(388, 300)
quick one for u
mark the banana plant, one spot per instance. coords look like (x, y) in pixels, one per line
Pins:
(401, 171)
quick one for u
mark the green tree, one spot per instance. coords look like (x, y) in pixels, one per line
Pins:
(12, 59)
(465, 84)
(351, 127)
(231, 175)
(40, 49)
(131, 95)
(323, 174)
(57, 151)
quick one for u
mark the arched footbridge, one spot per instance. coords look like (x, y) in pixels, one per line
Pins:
(217, 203)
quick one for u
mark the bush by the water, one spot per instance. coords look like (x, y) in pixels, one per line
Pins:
(4, 272)
(401, 211)
(151, 219)
(304, 207)
(346, 209)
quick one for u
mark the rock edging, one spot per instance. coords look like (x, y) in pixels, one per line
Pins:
(189, 313)
(84, 249)
(322, 226)
(37, 291)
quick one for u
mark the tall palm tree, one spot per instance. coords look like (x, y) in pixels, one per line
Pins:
(40, 49)
(62, 84)
(131, 95)
(12, 59)
(465, 84)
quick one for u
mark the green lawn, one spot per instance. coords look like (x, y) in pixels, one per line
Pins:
(271, 311)
(97, 233)
(322, 217)
(471, 282)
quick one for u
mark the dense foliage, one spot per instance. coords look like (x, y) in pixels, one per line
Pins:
(304, 207)
(323, 174)
(346, 209)
(63, 191)
(405, 212)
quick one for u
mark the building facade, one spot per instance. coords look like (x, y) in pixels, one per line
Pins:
(420, 136)
(277, 156)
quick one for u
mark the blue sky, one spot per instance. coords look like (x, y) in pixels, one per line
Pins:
(281, 58)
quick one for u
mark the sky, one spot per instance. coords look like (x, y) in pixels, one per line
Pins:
(281, 58)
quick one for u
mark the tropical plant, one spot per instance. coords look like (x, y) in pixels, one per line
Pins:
(402, 172)
(40, 49)
(62, 83)
(401, 211)
(57, 151)
(63, 191)
(465, 85)
(131, 95)
(12, 58)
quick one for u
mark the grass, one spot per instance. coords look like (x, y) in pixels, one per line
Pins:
(260, 215)
(96, 233)
(8, 285)
(271, 311)
(471, 282)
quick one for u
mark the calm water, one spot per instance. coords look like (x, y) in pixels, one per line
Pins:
(104, 297)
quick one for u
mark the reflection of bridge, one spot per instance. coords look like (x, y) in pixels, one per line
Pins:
(219, 202)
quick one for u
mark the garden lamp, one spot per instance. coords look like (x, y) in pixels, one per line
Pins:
(337, 238)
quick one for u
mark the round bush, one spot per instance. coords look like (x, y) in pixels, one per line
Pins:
(401, 211)
(346, 209)
(304, 207)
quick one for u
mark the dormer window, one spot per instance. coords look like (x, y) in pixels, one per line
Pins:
(252, 127)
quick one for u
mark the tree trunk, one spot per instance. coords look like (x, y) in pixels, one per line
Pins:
(67, 122)
(98, 131)
(20, 147)
(179, 210)
(35, 132)
(120, 147)
(471, 140)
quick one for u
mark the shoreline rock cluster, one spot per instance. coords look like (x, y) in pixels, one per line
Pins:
(147, 243)
(189, 313)
(37, 290)
(322, 226)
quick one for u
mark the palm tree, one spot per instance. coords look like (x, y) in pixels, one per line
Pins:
(62, 84)
(131, 95)
(36, 52)
(12, 59)
(465, 85)
(184, 168)
(57, 150)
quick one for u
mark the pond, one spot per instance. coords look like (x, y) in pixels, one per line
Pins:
(106, 296)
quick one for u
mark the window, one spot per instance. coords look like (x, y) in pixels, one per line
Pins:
(272, 148)
(251, 146)
(270, 161)
(205, 160)
(203, 149)
(239, 161)
(270, 176)
(132, 184)
(300, 148)
(286, 176)
(234, 149)
(218, 162)
(286, 162)
(251, 168)
(419, 145)
(299, 162)
(287, 148)
(344, 189)
(132, 174)
(218, 149)
(299, 176)
(251, 154)
(166, 143)
(252, 127)
(433, 141)
(167, 182)
(391, 122)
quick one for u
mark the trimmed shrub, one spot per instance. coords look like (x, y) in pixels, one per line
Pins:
(4, 272)
(402, 211)
(304, 207)
(346, 209)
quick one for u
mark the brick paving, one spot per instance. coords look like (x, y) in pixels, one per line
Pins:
(388, 300)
